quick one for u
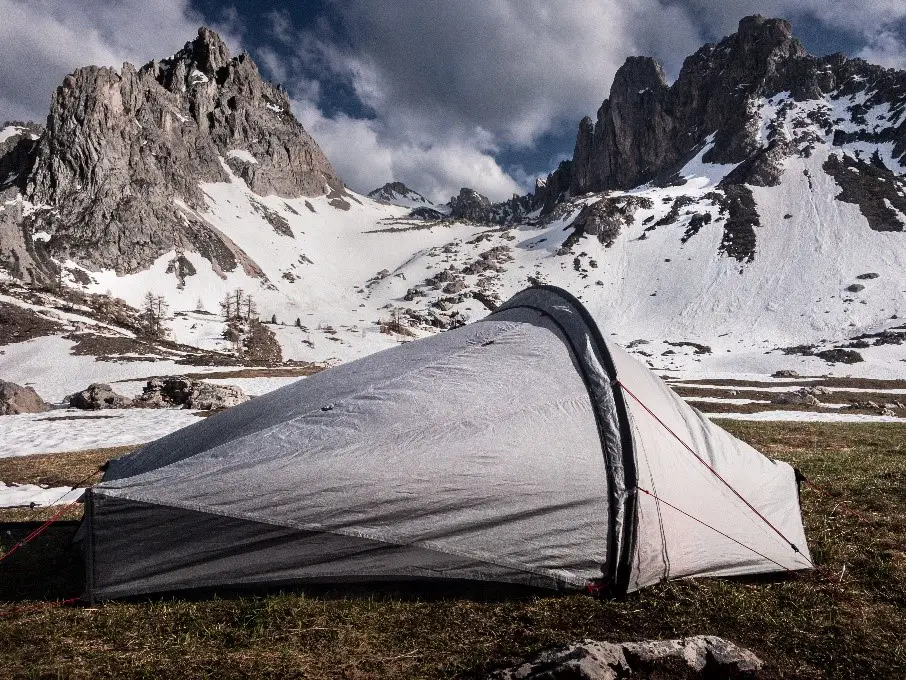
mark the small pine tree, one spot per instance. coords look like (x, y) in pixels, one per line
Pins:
(154, 312)
(250, 308)
(274, 319)
(226, 307)
(298, 322)
(238, 299)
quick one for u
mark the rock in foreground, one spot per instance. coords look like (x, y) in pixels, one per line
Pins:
(98, 396)
(188, 393)
(16, 399)
(702, 656)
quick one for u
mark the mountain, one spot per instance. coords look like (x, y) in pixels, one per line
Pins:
(397, 193)
(756, 102)
(747, 218)
(115, 177)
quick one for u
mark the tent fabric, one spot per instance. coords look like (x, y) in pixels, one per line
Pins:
(673, 545)
(505, 450)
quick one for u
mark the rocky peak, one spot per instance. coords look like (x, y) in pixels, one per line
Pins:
(635, 77)
(470, 205)
(767, 38)
(208, 51)
(646, 130)
(122, 146)
(397, 193)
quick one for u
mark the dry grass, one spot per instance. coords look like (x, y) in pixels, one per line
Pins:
(803, 381)
(58, 469)
(830, 623)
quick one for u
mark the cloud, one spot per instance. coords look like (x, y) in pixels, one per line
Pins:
(454, 83)
(457, 82)
(366, 159)
(42, 41)
(887, 49)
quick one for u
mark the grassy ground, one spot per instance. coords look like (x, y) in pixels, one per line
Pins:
(847, 619)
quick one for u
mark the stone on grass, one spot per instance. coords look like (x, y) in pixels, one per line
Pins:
(702, 656)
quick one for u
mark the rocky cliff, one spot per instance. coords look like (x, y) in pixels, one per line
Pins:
(647, 130)
(118, 167)
(747, 104)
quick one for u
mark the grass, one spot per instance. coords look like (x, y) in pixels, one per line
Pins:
(846, 619)
(57, 469)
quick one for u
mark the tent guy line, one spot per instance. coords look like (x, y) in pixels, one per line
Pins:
(705, 524)
(716, 474)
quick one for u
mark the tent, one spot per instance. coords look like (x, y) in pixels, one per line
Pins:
(522, 448)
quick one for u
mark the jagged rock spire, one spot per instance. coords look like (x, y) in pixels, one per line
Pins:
(120, 146)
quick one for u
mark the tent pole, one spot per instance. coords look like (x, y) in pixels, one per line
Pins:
(89, 547)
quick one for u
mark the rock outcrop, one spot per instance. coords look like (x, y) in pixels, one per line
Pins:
(470, 205)
(16, 399)
(702, 656)
(123, 153)
(23, 256)
(187, 393)
(804, 396)
(605, 218)
(647, 129)
(98, 396)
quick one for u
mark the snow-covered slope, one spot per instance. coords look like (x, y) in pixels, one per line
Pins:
(343, 268)
(790, 256)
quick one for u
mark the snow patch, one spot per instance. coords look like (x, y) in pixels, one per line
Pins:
(808, 417)
(66, 430)
(26, 495)
(11, 131)
(242, 155)
(196, 77)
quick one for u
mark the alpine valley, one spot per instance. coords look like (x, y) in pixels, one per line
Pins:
(747, 218)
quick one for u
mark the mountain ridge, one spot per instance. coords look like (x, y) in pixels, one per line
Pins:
(750, 239)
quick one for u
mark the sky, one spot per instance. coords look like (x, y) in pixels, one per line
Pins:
(436, 94)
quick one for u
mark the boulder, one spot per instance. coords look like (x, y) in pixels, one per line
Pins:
(16, 399)
(188, 393)
(805, 396)
(785, 373)
(704, 656)
(208, 397)
(98, 396)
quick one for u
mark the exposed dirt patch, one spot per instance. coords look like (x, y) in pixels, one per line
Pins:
(18, 324)
(106, 347)
(810, 381)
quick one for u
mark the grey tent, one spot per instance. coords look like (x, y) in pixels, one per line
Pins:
(522, 448)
